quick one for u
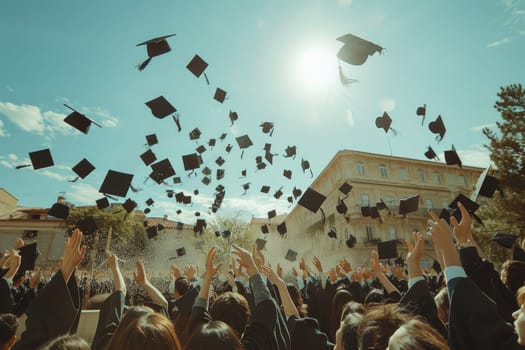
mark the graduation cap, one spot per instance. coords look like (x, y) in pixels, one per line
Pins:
(181, 252)
(177, 180)
(102, 203)
(82, 169)
(287, 174)
(223, 136)
(195, 134)
(408, 205)
(87, 225)
(345, 188)
(261, 243)
(387, 249)
(486, 186)
(438, 127)
(148, 157)
(191, 161)
(305, 165)
(212, 142)
(281, 228)
(176, 119)
(365, 211)
(422, 111)
(79, 121)
(228, 148)
(220, 174)
(291, 255)
(201, 149)
(278, 193)
(151, 232)
(243, 142)
(436, 266)
(504, 239)
(312, 200)
(200, 225)
(116, 183)
(399, 261)
(332, 233)
(219, 161)
(246, 187)
(261, 166)
(220, 95)
(150, 202)
(470, 205)
(351, 241)
(445, 214)
(233, 116)
(186, 200)
(290, 151)
(269, 157)
(152, 139)
(385, 122)
(356, 50)
(267, 127)
(197, 66)
(28, 254)
(341, 206)
(226, 234)
(162, 170)
(296, 192)
(272, 214)
(265, 189)
(243, 173)
(129, 205)
(430, 154)
(59, 211)
(160, 107)
(155, 47)
(206, 171)
(265, 229)
(39, 159)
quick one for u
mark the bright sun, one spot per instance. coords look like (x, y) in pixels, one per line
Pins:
(316, 68)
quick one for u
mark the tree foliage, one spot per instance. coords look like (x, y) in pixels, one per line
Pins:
(507, 152)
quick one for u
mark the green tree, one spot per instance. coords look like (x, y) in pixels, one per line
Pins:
(507, 152)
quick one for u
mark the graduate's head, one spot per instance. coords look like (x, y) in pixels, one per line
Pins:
(341, 297)
(513, 275)
(379, 322)
(8, 326)
(67, 342)
(182, 286)
(215, 335)
(142, 328)
(415, 335)
(346, 335)
(295, 294)
(443, 305)
(233, 309)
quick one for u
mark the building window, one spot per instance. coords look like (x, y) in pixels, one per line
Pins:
(29, 234)
(437, 178)
(364, 200)
(463, 180)
(383, 170)
(393, 234)
(444, 204)
(35, 216)
(403, 175)
(450, 179)
(421, 175)
(428, 203)
(390, 201)
(369, 233)
(360, 168)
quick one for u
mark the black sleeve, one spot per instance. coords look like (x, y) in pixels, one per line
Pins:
(305, 334)
(267, 329)
(108, 320)
(475, 322)
(483, 274)
(6, 299)
(51, 314)
(20, 308)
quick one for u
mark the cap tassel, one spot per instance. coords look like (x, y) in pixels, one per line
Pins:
(323, 215)
(144, 64)
(271, 132)
(242, 154)
(176, 119)
(74, 180)
(439, 138)
(394, 131)
(311, 173)
(110, 197)
(344, 80)
(134, 189)
(207, 80)
(22, 166)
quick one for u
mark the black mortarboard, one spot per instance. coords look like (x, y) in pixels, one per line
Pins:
(332, 233)
(223, 136)
(243, 173)
(177, 180)
(345, 188)
(147, 211)
(430, 154)
(387, 249)
(258, 159)
(356, 50)
(226, 234)
(220, 95)
(197, 66)
(201, 149)
(281, 228)
(365, 211)
(87, 225)
(278, 193)
(272, 214)
(212, 142)
(41, 159)
(269, 157)
(219, 188)
(261, 166)
(150, 202)
(265, 229)
(102, 203)
(486, 186)
(206, 171)
(219, 161)
(191, 161)
(452, 157)
(200, 225)
(155, 47)
(290, 199)
(220, 174)
(265, 189)
(148, 157)
(287, 174)
(438, 127)
(244, 141)
(206, 180)
(504, 239)
(151, 232)
(291, 255)
(351, 241)
(160, 107)
(196, 192)
(162, 170)
(436, 266)
(290, 151)
(305, 165)
(79, 121)
(384, 122)
(312, 200)
(374, 213)
(445, 214)
(59, 211)
(233, 116)
(186, 200)
(181, 252)
(195, 134)
(246, 187)
(341, 206)
(228, 148)
(261, 243)
(381, 205)
(152, 139)
(129, 205)
(28, 254)
(83, 168)
(422, 112)
(267, 127)
(470, 205)
(408, 205)
(116, 183)
(296, 192)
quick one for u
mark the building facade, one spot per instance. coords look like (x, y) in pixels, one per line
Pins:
(373, 178)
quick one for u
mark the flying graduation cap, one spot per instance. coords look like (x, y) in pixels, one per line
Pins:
(431, 154)
(452, 157)
(155, 47)
(39, 160)
(160, 107)
(233, 116)
(220, 95)
(267, 127)
(82, 169)
(116, 183)
(305, 165)
(355, 51)
(385, 122)
(243, 142)
(197, 66)
(486, 186)
(290, 152)
(422, 111)
(79, 121)
(438, 127)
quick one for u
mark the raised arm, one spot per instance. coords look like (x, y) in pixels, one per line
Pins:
(142, 280)
(376, 267)
(288, 305)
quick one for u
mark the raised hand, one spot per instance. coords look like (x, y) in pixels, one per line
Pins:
(440, 234)
(272, 275)
(175, 271)
(245, 258)
(73, 254)
(376, 266)
(140, 274)
(112, 260)
(35, 279)
(189, 271)
(13, 264)
(211, 268)
(415, 253)
(332, 276)
(461, 229)
(366, 273)
(317, 264)
(279, 271)
(295, 273)
(346, 266)
(19, 243)
(339, 270)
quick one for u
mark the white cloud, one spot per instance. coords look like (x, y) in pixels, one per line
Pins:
(477, 156)
(3, 132)
(6, 163)
(12, 156)
(387, 104)
(258, 206)
(350, 118)
(26, 117)
(499, 42)
(479, 128)
(344, 3)
(52, 175)
(83, 194)
(108, 121)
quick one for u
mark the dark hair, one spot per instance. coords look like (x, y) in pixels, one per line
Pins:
(215, 335)
(340, 299)
(515, 275)
(142, 328)
(416, 335)
(182, 285)
(67, 342)
(297, 300)
(379, 322)
(233, 309)
(8, 326)
(348, 327)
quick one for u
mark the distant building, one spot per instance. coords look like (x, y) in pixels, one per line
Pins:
(373, 177)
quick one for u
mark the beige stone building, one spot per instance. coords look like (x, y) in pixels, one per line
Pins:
(374, 177)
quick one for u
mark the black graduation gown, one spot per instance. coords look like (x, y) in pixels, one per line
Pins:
(108, 320)
(51, 314)
(6, 298)
(305, 334)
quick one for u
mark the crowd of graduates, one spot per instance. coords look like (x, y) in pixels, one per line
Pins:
(462, 303)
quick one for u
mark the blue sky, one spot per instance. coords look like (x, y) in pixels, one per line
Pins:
(277, 62)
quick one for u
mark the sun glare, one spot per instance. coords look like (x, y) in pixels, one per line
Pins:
(316, 68)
